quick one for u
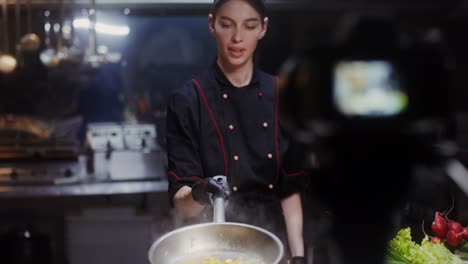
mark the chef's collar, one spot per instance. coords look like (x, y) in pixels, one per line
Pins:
(222, 79)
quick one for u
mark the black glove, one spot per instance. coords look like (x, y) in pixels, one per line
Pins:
(298, 260)
(204, 190)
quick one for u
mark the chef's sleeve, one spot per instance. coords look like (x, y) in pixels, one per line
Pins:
(294, 175)
(184, 167)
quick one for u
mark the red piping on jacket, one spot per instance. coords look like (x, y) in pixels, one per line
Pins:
(178, 177)
(215, 124)
(173, 174)
(300, 173)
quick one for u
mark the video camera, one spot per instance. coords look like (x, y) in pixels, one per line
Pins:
(369, 104)
(369, 76)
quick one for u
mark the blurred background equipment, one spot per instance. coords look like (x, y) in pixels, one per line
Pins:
(30, 42)
(125, 152)
(49, 55)
(33, 152)
(7, 61)
(371, 104)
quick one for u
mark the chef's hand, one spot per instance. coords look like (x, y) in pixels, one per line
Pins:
(298, 260)
(204, 190)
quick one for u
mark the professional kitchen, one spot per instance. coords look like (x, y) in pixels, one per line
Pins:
(233, 131)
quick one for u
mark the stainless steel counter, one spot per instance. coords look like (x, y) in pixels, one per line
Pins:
(123, 173)
(83, 189)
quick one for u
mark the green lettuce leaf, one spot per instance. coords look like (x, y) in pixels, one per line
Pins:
(402, 249)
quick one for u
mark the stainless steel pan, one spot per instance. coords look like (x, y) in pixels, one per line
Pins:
(220, 240)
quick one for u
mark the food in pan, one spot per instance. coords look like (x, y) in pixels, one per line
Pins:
(212, 260)
(219, 257)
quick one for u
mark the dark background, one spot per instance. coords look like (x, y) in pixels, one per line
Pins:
(167, 44)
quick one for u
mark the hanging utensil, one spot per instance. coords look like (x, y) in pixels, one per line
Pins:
(73, 54)
(49, 55)
(19, 58)
(58, 33)
(31, 41)
(92, 58)
(17, 25)
(7, 61)
(57, 28)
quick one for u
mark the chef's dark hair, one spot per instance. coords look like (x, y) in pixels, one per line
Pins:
(259, 5)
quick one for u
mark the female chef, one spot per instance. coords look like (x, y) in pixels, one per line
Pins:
(225, 122)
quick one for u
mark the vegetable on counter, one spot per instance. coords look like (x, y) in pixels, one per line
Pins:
(403, 250)
(462, 251)
(450, 232)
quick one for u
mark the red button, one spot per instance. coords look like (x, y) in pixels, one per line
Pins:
(260, 94)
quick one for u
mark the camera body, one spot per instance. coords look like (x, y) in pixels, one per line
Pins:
(369, 104)
(371, 77)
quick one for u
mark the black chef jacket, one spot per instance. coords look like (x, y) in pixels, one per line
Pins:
(214, 128)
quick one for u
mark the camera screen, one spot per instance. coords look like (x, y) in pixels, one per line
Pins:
(368, 89)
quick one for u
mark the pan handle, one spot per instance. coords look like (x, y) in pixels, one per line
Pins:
(219, 203)
(218, 210)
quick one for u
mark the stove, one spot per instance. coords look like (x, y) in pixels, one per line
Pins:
(41, 172)
(33, 152)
